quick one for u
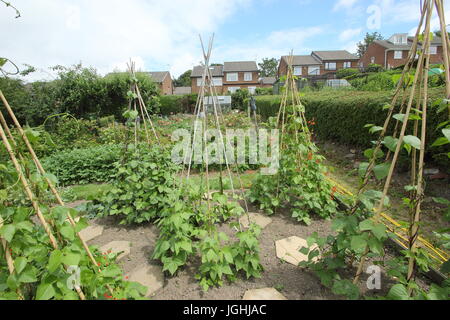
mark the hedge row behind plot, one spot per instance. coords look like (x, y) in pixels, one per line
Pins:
(342, 115)
(177, 104)
(82, 166)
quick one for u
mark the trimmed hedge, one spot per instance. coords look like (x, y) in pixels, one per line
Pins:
(177, 104)
(341, 116)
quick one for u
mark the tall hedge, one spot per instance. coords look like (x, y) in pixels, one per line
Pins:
(342, 116)
(177, 104)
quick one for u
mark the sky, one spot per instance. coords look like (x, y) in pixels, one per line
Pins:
(162, 35)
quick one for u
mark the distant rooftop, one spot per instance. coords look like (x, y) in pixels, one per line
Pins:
(335, 55)
(216, 71)
(240, 66)
(302, 60)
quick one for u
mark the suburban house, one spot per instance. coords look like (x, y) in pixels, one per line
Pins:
(393, 52)
(163, 80)
(197, 74)
(239, 75)
(323, 64)
(229, 77)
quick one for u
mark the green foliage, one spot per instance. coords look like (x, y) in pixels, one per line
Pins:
(82, 166)
(183, 80)
(239, 99)
(344, 73)
(268, 67)
(187, 227)
(373, 67)
(40, 270)
(178, 104)
(264, 91)
(343, 117)
(141, 187)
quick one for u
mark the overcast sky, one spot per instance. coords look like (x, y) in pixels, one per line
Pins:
(163, 34)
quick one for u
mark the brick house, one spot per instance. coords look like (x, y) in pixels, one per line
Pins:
(267, 82)
(323, 64)
(163, 80)
(239, 75)
(229, 77)
(197, 74)
(393, 52)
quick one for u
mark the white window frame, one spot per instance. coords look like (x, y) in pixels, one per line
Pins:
(328, 66)
(298, 70)
(232, 77)
(313, 70)
(398, 54)
(433, 50)
(217, 81)
(347, 64)
(199, 82)
(248, 76)
(372, 60)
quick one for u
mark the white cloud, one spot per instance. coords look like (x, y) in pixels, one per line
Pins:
(106, 33)
(349, 34)
(344, 4)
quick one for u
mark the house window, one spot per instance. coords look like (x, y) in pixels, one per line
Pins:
(330, 66)
(398, 55)
(233, 89)
(433, 50)
(217, 81)
(232, 77)
(297, 71)
(372, 60)
(347, 65)
(314, 71)
(199, 82)
(248, 76)
(252, 90)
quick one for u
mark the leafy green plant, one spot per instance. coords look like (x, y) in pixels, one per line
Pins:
(140, 187)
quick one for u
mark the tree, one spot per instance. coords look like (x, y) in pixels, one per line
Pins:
(439, 33)
(369, 38)
(268, 67)
(184, 80)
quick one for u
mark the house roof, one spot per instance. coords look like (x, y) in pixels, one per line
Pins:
(182, 90)
(335, 55)
(390, 45)
(197, 72)
(302, 60)
(268, 80)
(158, 76)
(436, 40)
(240, 66)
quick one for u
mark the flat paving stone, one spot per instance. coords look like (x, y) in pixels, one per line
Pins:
(117, 247)
(91, 232)
(288, 250)
(150, 276)
(260, 219)
(263, 294)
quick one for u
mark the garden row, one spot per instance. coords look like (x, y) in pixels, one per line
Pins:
(343, 117)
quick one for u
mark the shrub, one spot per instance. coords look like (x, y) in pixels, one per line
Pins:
(239, 98)
(343, 117)
(373, 67)
(344, 73)
(178, 104)
(264, 91)
(82, 166)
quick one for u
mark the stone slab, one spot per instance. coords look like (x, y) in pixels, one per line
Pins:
(150, 276)
(117, 247)
(91, 232)
(260, 219)
(288, 250)
(263, 294)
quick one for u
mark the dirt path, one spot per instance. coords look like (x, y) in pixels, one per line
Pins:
(291, 281)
